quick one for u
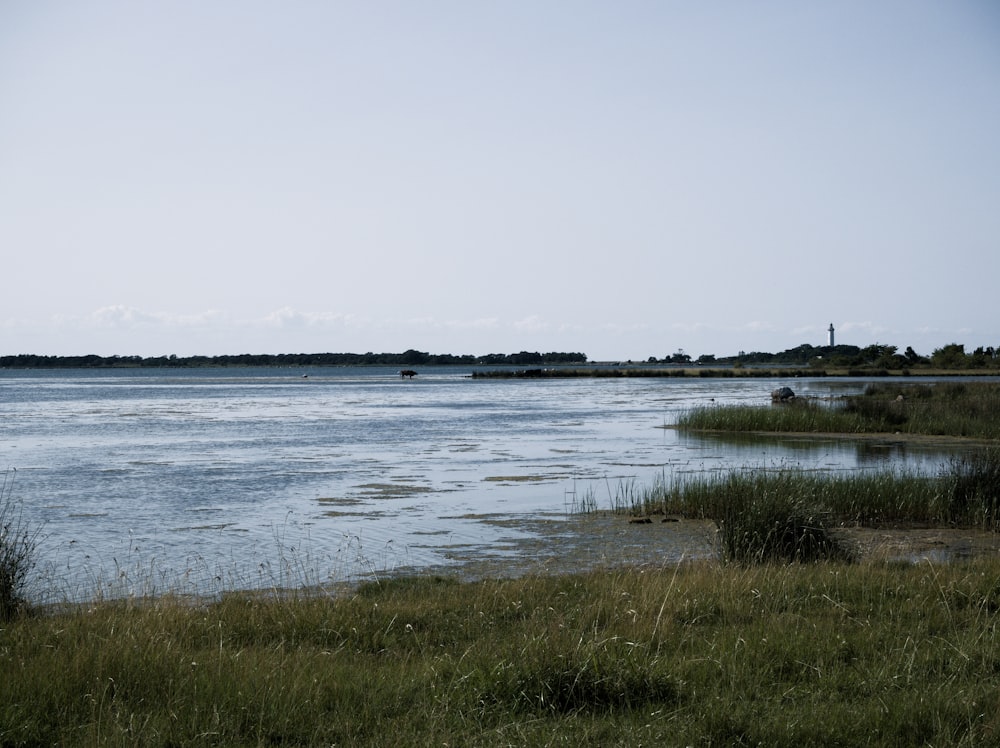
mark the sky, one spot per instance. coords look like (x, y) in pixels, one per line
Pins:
(623, 179)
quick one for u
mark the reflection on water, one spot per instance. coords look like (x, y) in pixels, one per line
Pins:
(724, 451)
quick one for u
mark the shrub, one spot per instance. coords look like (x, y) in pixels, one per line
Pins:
(18, 542)
(973, 489)
(775, 527)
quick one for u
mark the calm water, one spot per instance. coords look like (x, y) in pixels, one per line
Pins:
(209, 479)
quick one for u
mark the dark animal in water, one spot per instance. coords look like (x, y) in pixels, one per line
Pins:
(407, 374)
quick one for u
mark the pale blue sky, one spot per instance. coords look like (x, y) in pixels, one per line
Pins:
(618, 178)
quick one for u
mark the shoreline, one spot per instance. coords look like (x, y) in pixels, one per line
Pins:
(747, 372)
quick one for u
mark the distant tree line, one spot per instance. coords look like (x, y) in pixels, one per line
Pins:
(408, 358)
(876, 356)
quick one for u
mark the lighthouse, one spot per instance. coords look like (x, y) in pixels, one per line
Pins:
(830, 343)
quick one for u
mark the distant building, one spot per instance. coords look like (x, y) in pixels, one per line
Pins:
(830, 343)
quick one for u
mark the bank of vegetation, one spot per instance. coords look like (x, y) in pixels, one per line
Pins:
(958, 409)
(695, 654)
(787, 514)
(18, 544)
(794, 509)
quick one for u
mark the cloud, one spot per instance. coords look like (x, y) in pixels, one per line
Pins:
(424, 323)
(123, 317)
(483, 323)
(531, 324)
(120, 317)
(689, 328)
(613, 327)
(813, 331)
(288, 318)
(757, 326)
(866, 330)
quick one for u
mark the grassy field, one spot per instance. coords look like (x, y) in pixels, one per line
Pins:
(696, 654)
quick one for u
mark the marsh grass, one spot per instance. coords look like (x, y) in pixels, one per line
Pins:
(797, 416)
(972, 485)
(777, 528)
(764, 515)
(943, 409)
(969, 409)
(788, 515)
(964, 493)
(18, 546)
(697, 653)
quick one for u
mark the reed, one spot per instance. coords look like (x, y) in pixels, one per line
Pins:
(697, 653)
(777, 527)
(972, 484)
(949, 409)
(18, 545)
(967, 409)
(767, 515)
(965, 492)
(800, 416)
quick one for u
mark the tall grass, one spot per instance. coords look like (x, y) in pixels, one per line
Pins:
(951, 409)
(970, 409)
(820, 654)
(777, 527)
(965, 492)
(801, 416)
(972, 487)
(763, 515)
(18, 544)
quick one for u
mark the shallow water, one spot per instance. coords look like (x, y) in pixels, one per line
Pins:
(204, 480)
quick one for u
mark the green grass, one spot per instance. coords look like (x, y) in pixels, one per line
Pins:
(777, 527)
(787, 514)
(964, 493)
(943, 409)
(799, 416)
(18, 542)
(698, 654)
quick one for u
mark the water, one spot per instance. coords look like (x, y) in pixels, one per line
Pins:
(204, 480)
